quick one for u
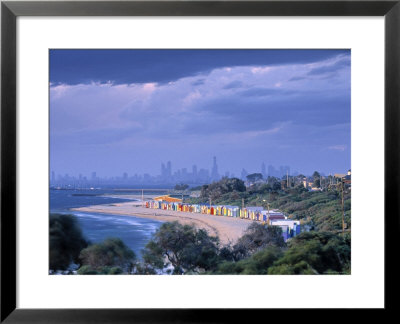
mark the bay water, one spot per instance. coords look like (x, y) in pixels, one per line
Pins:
(135, 232)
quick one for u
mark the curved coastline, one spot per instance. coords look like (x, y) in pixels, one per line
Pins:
(228, 229)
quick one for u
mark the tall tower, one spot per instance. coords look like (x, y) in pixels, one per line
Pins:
(214, 172)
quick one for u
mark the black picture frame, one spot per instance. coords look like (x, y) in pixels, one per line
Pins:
(10, 10)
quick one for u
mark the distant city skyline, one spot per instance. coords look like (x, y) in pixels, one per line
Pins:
(273, 170)
(131, 111)
(170, 176)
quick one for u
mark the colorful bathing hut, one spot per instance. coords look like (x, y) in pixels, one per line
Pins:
(290, 228)
(269, 215)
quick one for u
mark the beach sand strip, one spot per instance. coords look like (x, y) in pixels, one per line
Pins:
(228, 229)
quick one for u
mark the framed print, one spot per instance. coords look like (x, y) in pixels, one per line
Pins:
(164, 158)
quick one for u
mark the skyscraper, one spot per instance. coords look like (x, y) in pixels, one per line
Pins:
(194, 172)
(263, 171)
(272, 172)
(214, 172)
(243, 174)
(163, 171)
(184, 174)
(203, 175)
(169, 169)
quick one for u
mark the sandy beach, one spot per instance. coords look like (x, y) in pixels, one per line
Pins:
(228, 229)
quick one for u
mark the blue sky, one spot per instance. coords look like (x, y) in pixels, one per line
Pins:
(115, 111)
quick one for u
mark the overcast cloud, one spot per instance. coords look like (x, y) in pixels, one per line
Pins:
(294, 111)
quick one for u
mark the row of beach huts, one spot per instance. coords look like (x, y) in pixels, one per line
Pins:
(290, 228)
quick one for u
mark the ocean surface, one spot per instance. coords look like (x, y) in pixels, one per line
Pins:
(134, 231)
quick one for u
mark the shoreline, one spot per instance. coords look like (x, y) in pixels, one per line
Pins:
(228, 229)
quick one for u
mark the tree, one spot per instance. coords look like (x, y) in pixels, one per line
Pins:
(66, 241)
(274, 183)
(88, 270)
(181, 186)
(316, 179)
(315, 253)
(109, 254)
(254, 177)
(216, 189)
(184, 247)
(258, 263)
(256, 238)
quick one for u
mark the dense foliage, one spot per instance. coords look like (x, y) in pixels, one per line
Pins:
(308, 253)
(254, 177)
(315, 253)
(181, 186)
(111, 256)
(257, 263)
(65, 242)
(182, 249)
(185, 249)
(320, 209)
(256, 238)
(217, 189)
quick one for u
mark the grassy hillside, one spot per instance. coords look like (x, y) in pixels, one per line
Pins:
(321, 210)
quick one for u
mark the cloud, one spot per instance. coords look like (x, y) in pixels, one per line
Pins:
(297, 78)
(260, 92)
(253, 101)
(233, 85)
(257, 133)
(227, 109)
(198, 82)
(261, 70)
(331, 68)
(163, 66)
(337, 147)
(191, 97)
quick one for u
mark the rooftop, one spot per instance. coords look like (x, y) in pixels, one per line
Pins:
(167, 198)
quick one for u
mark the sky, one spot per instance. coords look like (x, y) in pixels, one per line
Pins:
(115, 111)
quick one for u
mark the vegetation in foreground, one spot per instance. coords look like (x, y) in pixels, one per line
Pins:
(65, 240)
(184, 249)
